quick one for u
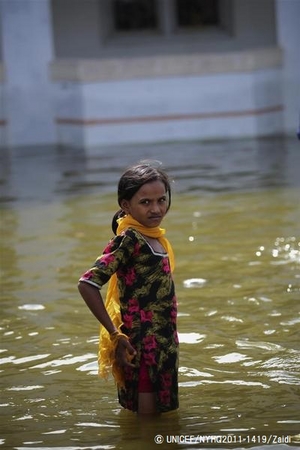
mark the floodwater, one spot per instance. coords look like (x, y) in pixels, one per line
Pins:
(234, 226)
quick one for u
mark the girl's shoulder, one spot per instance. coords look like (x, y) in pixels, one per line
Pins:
(128, 237)
(132, 233)
(132, 236)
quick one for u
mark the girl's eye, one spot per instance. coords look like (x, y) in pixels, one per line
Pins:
(147, 202)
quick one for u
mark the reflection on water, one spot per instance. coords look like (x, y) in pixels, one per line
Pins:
(234, 225)
(41, 175)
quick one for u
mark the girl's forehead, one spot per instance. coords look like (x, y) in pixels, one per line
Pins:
(153, 189)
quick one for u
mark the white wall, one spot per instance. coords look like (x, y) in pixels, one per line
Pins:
(288, 29)
(3, 122)
(166, 109)
(27, 52)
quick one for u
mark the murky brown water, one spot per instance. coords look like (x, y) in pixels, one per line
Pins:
(234, 225)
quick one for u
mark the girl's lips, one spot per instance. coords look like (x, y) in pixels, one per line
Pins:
(155, 219)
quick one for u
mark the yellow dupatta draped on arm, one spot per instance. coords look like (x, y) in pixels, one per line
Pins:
(106, 354)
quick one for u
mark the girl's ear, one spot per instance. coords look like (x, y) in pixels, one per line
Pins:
(125, 206)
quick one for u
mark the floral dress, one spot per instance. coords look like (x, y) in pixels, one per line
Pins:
(148, 310)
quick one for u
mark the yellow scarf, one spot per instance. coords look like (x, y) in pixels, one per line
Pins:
(106, 354)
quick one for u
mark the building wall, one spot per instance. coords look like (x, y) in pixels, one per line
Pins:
(1, 43)
(216, 83)
(27, 52)
(3, 116)
(183, 97)
(89, 32)
(288, 29)
(3, 122)
(74, 74)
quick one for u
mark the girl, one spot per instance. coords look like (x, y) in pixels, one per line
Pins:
(138, 338)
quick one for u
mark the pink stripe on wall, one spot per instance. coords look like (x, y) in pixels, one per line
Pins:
(169, 117)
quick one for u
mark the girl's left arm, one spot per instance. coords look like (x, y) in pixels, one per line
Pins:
(92, 297)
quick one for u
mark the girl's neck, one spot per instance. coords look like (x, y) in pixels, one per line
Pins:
(154, 244)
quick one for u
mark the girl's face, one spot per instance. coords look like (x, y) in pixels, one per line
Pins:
(148, 205)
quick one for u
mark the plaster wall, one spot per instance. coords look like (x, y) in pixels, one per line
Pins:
(27, 51)
(207, 107)
(3, 120)
(288, 17)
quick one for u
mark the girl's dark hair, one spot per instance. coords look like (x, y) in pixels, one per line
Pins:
(133, 179)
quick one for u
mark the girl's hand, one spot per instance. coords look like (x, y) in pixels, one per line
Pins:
(124, 353)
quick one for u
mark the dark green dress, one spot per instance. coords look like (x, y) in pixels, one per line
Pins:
(149, 313)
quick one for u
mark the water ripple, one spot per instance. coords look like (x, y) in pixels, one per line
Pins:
(65, 360)
(231, 358)
(269, 347)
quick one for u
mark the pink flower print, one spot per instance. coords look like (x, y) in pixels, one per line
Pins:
(130, 277)
(164, 397)
(176, 340)
(127, 319)
(108, 248)
(166, 265)
(174, 301)
(107, 259)
(133, 306)
(150, 359)
(146, 316)
(88, 275)
(173, 315)
(136, 250)
(166, 380)
(149, 343)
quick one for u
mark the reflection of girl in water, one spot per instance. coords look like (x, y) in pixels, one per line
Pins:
(138, 334)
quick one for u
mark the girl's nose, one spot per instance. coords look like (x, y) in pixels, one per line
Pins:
(155, 208)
